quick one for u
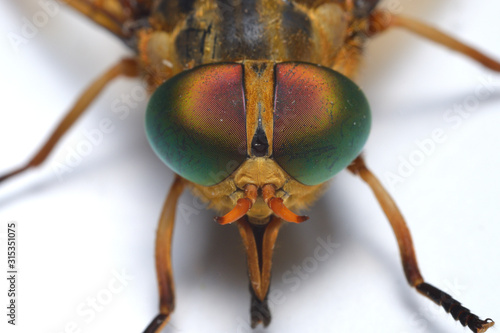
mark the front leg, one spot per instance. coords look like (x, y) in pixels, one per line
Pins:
(408, 257)
(164, 257)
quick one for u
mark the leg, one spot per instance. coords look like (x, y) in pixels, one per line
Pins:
(408, 257)
(380, 21)
(115, 15)
(259, 243)
(164, 258)
(126, 67)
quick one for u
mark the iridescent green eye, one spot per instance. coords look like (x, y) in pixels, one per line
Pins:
(195, 122)
(321, 121)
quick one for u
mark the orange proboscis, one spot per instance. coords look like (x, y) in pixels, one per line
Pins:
(243, 205)
(277, 206)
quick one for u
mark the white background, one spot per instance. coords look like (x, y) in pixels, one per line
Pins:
(73, 234)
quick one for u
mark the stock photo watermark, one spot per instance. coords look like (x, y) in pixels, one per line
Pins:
(12, 275)
(453, 117)
(89, 309)
(295, 276)
(421, 321)
(30, 27)
(75, 154)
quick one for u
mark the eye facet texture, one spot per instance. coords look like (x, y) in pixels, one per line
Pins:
(321, 121)
(196, 122)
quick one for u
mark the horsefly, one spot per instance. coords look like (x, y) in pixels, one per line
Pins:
(254, 106)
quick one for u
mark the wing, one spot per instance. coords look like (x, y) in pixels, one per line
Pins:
(121, 17)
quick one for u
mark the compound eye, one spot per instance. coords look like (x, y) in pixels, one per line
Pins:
(195, 123)
(321, 121)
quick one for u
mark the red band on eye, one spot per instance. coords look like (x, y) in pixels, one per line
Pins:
(196, 122)
(321, 121)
